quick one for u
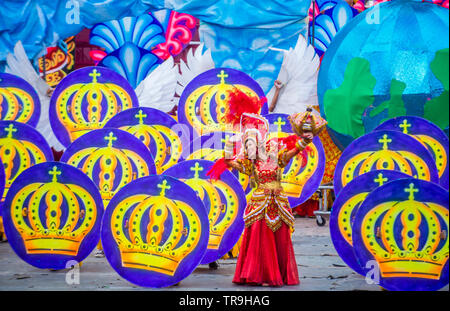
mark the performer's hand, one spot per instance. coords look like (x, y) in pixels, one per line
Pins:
(308, 137)
(278, 84)
(50, 91)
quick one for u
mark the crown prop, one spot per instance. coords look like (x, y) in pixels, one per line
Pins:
(18, 103)
(168, 143)
(386, 159)
(56, 235)
(107, 159)
(223, 95)
(17, 155)
(222, 213)
(149, 250)
(407, 258)
(79, 107)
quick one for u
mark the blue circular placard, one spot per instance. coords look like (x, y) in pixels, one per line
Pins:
(389, 150)
(299, 183)
(52, 215)
(21, 146)
(86, 99)
(345, 207)
(111, 157)
(156, 129)
(155, 231)
(428, 134)
(224, 200)
(18, 100)
(400, 235)
(204, 101)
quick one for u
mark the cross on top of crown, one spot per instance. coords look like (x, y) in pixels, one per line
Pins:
(163, 188)
(222, 76)
(405, 126)
(54, 173)
(10, 130)
(94, 74)
(411, 190)
(280, 123)
(141, 116)
(385, 141)
(380, 180)
(197, 168)
(110, 138)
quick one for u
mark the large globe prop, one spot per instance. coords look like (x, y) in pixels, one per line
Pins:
(389, 61)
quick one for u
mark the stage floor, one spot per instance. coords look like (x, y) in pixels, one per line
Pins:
(319, 266)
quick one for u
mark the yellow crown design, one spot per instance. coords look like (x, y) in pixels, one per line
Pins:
(156, 250)
(222, 212)
(108, 158)
(406, 257)
(345, 219)
(79, 107)
(17, 156)
(55, 236)
(18, 103)
(385, 159)
(168, 143)
(201, 118)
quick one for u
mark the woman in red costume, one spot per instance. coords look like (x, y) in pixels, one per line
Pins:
(267, 255)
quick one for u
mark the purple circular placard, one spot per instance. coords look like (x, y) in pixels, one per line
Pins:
(224, 200)
(2, 182)
(21, 146)
(384, 150)
(18, 100)
(52, 215)
(400, 235)
(430, 135)
(86, 99)
(308, 183)
(155, 231)
(111, 158)
(156, 129)
(345, 207)
(198, 106)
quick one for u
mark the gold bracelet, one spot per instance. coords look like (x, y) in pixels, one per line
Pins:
(300, 144)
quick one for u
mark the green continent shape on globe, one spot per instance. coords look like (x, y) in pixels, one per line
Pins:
(395, 105)
(344, 106)
(436, 110)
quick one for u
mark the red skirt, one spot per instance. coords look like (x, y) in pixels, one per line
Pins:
(266, 257)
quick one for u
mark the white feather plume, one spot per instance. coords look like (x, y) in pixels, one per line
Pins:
(18, 64)
(196, 63)
(299, 73)
(157, 90)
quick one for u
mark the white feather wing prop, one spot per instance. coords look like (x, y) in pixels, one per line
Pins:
(157, 90)
(196, 63)
(18, 64)
(298, 73)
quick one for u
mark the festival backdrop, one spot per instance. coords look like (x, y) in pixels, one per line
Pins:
(247, 26)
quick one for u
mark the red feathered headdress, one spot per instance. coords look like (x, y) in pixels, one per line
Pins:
(243, 111)
(240, 103)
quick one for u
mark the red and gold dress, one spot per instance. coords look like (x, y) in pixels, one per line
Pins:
(266, 255)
